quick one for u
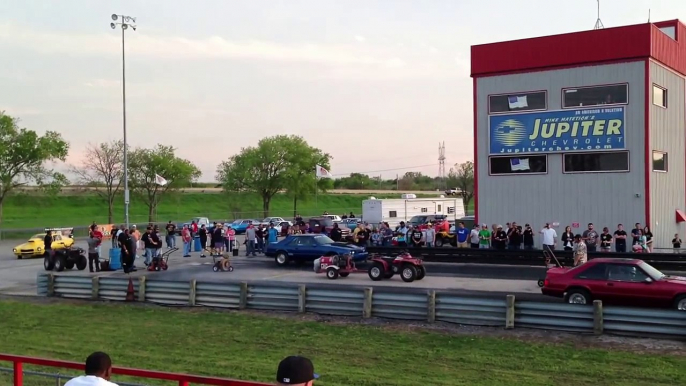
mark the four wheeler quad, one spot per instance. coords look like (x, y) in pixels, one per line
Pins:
(61, 259)
(410, 268)
(444, 238)
(335, 265)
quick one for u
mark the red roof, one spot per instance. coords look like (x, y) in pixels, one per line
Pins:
(640, 41)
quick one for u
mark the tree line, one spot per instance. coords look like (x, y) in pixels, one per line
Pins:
(282, 163)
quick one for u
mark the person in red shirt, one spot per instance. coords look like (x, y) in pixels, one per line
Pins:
(186, 237)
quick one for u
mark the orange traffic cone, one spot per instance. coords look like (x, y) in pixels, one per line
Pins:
(129, 291)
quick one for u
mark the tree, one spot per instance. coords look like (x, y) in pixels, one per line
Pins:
(461, 176)
(23, 155)
(277, 163)
(103, 170)
(301, 177)
(145, 164)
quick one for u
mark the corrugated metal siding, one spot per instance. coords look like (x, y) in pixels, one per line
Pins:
(667, 133)
(626, 42)
(668, 51)
(604, 199)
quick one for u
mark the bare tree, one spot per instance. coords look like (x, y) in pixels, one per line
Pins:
(462, 177)
(102, 169)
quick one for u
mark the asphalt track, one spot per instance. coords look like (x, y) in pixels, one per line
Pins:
(18, 276)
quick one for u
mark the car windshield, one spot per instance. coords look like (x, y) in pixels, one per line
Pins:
(417, 219)
(325, 222)
(236, 222)
(323, 240)
(651, 271)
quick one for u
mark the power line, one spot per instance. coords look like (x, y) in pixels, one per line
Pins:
(386, 170)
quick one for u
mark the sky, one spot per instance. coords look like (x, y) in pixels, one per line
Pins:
(377, 84)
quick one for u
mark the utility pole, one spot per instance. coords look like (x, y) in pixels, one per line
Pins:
(441, 164)
(126, 22)
(598, 23)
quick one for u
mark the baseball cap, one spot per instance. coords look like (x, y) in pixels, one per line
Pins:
(295, 370)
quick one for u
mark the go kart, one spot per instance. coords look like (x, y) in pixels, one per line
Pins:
(65, 258)
(335, 266)
(410, 268)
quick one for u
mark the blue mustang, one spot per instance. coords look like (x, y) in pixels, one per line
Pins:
(309, 247)
(241, 225)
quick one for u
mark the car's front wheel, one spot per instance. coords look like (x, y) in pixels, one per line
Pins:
(281, 259)
(578, 296)
(48, 264)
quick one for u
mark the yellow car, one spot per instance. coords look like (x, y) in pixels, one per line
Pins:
(35, 247)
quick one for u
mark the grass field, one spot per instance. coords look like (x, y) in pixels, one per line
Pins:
(249, 346)
(32, 211)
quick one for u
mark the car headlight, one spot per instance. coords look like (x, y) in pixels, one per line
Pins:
(14, 249)
(38, 249)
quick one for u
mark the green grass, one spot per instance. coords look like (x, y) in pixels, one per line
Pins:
(249, 346)
(33, 211)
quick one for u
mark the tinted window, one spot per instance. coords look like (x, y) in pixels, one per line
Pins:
(303, 241)
(659, 161)
(595, 272)
(517, 102)
(596, 162)
(630, 273)
(595, 96)
(531, 164)
(659, 96)
(392, 214)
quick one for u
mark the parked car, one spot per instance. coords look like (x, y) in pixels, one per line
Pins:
(275, 220)
(35, 246)
(241, 225)
(453, 192)
(333, 217)
(626, 282)
(317, 224)
(309, 247)
(350, 223)
(425, 218)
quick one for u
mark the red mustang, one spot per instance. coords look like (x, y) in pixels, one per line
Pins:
(626, 282)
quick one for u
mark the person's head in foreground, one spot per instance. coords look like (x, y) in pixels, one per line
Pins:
(98, 371)
(296, 371)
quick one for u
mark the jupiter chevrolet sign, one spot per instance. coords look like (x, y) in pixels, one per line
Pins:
(599, 129)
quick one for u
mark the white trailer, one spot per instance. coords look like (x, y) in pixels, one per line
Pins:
(394, 211)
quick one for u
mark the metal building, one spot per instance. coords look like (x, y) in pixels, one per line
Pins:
(585, 127)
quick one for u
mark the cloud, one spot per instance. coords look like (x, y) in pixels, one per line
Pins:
(360, 38)
(103, 83)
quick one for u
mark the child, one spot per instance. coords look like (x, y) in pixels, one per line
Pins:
(376, 238)
(676, 243)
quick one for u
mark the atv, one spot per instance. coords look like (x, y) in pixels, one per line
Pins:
(410, 268)
(67, 258)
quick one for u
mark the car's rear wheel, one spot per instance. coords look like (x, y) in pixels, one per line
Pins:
(376, 272)
(281, 259)
(421, 272)
(409, 273)
(680, 303)
(578, 296)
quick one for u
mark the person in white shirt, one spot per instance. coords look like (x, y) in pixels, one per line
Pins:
(430, 236)
(474, 237)
(549, 237)
(98, 372)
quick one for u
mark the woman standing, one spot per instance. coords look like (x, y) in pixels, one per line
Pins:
(580, 251)
(568, 239)
(649, 239)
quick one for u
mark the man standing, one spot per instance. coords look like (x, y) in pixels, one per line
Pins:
(171, 235)
(590, 236)
(528, 237)
(636, 234)
(149, 246)
(474, 237)
(484, 237)
(273, 234)
(295, 371)
(98, 372)
(515, 237)
(186, 237)
(250, 237)
(416, 237)
(126, 251)
(462, 236)
(93, 256)
(605, 240)
(336, 233)
(430, 236)
(549, 237)
(500, 238)
(620, 239)
(47, 242)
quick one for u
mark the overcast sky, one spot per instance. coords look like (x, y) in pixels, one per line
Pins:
(377, 84)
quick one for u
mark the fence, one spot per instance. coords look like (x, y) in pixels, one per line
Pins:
(18, 371)
(662, 261)
(383, 302)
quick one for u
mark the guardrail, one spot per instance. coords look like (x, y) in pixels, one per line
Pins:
(382, 302)
(18, 363)
(662, 261)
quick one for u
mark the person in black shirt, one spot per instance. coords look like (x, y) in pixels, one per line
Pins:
(336, 233)
(620, 239)
(126, 243)
(676, 243)
(515, 237)
(568, 239)
(352, 215)
(259, 238)
(217, 240)
(171, 235)
(416, 237)
(202, 232)
(528, 237)
(605, 240)
(47, 240)
(500, 238)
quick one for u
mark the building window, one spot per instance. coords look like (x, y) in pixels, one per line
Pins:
(451, 210)
(439, 209)
(659, 96)
(659, 161)
(617, 94)
(424, 210)
(669, 31)
(527, 101)
(393, 214)
(523, 164)
(596, 162)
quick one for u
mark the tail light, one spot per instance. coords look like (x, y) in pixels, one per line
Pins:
(545, 282)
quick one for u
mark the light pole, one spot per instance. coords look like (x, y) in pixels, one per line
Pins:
(125, 23)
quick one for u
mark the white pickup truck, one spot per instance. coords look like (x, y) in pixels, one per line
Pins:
(453, 192)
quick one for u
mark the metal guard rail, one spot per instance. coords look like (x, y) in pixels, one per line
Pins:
(426, 305)
(182, 379)
(662, 261)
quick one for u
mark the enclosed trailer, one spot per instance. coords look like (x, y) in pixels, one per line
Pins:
(394, 210)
